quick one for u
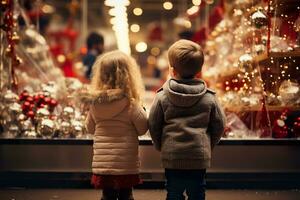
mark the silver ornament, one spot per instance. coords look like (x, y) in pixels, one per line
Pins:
(46, 128)
(65, 129)
(68, 113)
(13, 131)
(42, 113)
(77, 128)
(10, 97)
(15, 109)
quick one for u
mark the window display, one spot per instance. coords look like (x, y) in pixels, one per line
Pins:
(252, 56)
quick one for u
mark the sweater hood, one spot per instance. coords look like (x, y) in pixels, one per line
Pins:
(186, 92)
(105, 104)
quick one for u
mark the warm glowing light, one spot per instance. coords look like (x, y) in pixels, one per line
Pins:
(196, 2)
(135, 28)
(120, 23)
(155, 51)
(48, 9)
(193, 10)
(151, 60)
(168, 5)
(141, 47)
(137, 11)
(61, 58)
(116, 3)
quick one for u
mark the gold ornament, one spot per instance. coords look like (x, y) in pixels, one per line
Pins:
(15, 37)
(8, 50)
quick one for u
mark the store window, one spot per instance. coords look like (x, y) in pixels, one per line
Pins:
(252, 60)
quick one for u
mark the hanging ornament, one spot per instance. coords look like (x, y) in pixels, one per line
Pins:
(259, 19)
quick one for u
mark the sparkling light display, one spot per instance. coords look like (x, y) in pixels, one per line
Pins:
(120, 23)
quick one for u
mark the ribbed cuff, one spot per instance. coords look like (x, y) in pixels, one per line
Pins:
(186, 164)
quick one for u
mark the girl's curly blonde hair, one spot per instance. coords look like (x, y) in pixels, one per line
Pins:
(116, 70)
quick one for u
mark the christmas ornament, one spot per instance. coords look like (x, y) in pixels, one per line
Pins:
(259, 19)
(46, 128)
(289, 92)
(65, 129)
(246, 63)
(10, 97)
(42, 113)
(77, 128)
(280, 128)
(68, 113)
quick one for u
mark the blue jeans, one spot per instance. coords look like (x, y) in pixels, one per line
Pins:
(190, 181)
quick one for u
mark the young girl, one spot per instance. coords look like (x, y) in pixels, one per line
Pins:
(116, 118)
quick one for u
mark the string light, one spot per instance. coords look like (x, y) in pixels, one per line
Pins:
(168, 5)
(137, 11)
(141, 47)
(135, 28)
(196, 2)
(119, 23)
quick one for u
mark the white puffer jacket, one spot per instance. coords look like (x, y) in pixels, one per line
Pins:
(116, 124)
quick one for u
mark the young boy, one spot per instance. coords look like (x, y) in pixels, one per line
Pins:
(185, 123)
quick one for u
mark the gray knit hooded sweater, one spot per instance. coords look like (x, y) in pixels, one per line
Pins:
(185, 123)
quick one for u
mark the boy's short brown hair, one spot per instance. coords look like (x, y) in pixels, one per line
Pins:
(186, 57)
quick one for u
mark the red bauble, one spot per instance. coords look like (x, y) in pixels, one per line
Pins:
(47, 100)
(30, 114)
(30, 99)
(53, 103)
(26, 106)
(24, 95)
(41, 105)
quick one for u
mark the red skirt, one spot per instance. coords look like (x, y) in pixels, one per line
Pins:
(115, 181)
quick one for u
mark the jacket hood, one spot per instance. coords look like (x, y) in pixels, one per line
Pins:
(105, 104)
(184, 93)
